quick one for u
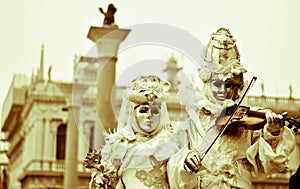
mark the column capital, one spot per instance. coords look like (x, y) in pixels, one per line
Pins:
(114, 33)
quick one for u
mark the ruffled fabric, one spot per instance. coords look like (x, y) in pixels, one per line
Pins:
(272, 160)
(187, 94)
(225, 177)
(223, 164)
(134, 151)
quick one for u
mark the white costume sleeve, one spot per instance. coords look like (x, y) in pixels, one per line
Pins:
(177, 176)
(273, 151)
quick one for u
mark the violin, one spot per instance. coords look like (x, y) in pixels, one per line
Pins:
(239, 116)
(251, 119)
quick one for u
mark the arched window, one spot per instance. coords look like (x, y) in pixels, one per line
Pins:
(61, 142)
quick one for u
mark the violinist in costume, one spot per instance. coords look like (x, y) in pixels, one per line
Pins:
(229, 161)
(136, 154)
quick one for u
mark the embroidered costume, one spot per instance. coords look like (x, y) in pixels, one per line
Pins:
(143, 142)
(238, 152)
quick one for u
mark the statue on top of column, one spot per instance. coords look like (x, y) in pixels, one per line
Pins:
(109, 20)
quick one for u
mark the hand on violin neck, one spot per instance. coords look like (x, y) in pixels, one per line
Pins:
(274, 122)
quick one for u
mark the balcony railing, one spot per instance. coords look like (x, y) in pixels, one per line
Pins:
(292, 105)
(280, 176)
(51, 166)
(273, 177)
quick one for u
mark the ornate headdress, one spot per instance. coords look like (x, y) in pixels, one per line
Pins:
(145, 90)
(222, 57)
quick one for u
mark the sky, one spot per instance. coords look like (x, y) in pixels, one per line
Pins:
(267, 34)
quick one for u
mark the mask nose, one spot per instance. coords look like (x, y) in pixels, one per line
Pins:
(148, 114)
(222, 89)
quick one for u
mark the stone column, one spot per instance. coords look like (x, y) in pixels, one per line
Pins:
(49, 140)
(53, 127)
(107, 41)
(70, 175)
(39, 130)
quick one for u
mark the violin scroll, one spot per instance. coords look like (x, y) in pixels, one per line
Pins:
(293, 122)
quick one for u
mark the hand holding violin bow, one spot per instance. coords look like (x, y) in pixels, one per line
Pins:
(192, 162)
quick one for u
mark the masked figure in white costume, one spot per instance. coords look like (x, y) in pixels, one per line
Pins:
(238, 152)
(135, 156)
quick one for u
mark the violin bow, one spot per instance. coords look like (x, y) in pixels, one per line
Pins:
(230, 118)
